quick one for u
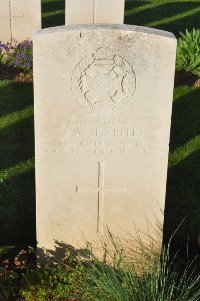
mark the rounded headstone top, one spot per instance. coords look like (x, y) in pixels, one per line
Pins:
(107, 27)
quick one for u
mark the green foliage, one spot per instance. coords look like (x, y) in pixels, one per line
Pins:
(1, 58)
(8, 279)
(3, 251)
(2, 53)
(130, 271)
(188, 53)
(52, 282)
(20, 56)
(144, 279)
(7, 284)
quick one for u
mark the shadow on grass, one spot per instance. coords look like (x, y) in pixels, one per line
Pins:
(15, 96)
(185, 117)
(164, 11)
(17, 179)
(183, 185)
(54, 20)
(187, 22)
(129, 5)
(52, 6)
(53, 13)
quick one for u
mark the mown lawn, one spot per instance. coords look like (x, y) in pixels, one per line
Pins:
(17, 196)
(17, 193)
(170, 15)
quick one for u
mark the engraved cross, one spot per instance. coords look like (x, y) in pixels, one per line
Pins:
(11, 16)
(101, 190)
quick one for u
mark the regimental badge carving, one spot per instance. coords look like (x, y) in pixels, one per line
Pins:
(104, 82)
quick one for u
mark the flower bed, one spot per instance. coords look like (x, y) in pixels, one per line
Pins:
(16, 61)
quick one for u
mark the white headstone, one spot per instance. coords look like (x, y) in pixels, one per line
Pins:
(19, 19)
(103, 101)
(94, 11)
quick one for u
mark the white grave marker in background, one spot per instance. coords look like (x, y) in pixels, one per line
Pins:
(18, 19)
(103, 102)
(94, 11)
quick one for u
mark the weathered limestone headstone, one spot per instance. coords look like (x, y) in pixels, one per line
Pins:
(103, 101)
(94, 11)
(19, 19)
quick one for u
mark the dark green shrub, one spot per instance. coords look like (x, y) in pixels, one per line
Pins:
(52, 282)
(188, 52)
(8, 278)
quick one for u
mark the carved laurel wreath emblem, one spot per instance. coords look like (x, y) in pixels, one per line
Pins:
(103, 82)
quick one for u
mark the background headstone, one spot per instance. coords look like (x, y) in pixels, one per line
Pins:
(103, 101)
(94, 11)
(19, 19)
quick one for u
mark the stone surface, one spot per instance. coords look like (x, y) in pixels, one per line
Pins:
(19, 18)
(94, 11)
(103, 101)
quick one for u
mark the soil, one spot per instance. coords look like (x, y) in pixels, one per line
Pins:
(11, 73)
(197, 83)
(186, 78)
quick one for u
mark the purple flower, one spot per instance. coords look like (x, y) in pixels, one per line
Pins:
(27, 65)
(4, 47)
(18, 54)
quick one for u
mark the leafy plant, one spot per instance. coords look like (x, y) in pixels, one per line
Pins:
(130, 270)
(1, 58)
(3, 251)
(188, 52)
(54, 281)
(3, 48)
(7, 284)
(21, 56)
(8, 278)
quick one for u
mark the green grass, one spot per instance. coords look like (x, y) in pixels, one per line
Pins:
(17, 185)
(137, 272)
(53, 13)
(183, 187)
(145, 276)
(170, 15)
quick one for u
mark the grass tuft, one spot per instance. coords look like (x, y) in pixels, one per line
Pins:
(147, 278)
